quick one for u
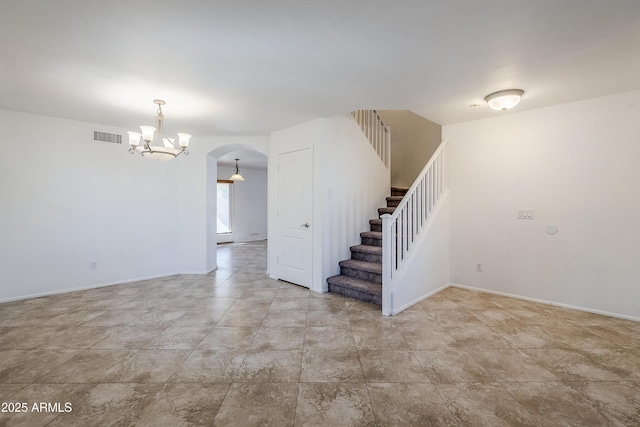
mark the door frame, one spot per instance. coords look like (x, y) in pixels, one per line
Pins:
(305, 135)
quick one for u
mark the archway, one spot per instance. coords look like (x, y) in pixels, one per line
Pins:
(252, 222)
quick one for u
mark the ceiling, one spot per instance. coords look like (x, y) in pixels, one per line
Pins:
(247, 159)
(252, 67)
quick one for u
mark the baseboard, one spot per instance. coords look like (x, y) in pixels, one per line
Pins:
(552, 303)
(101, 285)
(417, 300)
(197, 272)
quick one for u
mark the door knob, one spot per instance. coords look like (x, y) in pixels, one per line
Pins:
(305, 225)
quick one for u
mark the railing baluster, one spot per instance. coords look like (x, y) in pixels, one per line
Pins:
(435, 185)
(366, 124)
(419, 207)
(379, 126)
(373, 127)
(427, 194)
(423, 196)
(436, 166)
(433, 188)
(368, 120)
(372, 124)
(426, 198)
(377, 132)
(387, 141)
(407, 229)
(411, 224)
(376, 127)
(394, 246)
(417, 210)
(430, 189)
(441, 168)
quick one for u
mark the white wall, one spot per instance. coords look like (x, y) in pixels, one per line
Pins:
(249, 204)
(414, 139)
(68, 201)
(577, 166)
(354, 184)
(350, 183)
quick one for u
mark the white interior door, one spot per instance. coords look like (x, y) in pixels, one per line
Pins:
(295, 205)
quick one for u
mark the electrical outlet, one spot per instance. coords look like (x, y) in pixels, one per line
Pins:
(93, 265)
(479, 267)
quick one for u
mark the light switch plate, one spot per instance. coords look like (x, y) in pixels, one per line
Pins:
(525, 213)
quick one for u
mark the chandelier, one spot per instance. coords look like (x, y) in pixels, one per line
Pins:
(160, 148)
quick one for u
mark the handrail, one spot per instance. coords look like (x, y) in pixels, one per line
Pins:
(377, 132)
(401, 230)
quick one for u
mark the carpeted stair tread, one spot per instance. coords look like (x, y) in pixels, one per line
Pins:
(372, 238)
(399, 191)
(354, 264)
(371, 234)
(375, 225)
(377, 250)
(367, 253)
(393, 201)
(382, 211)
(356, 284)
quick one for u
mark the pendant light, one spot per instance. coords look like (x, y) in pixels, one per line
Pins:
(236, 174)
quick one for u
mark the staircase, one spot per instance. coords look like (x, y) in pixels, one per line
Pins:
(361, 276)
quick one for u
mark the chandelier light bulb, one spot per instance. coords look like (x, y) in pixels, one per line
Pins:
(147, 132)
(134, 138)
(183, 139)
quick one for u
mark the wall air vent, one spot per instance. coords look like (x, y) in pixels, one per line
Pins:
(113, 138)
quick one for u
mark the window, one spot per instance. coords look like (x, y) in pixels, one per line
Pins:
(225, 214)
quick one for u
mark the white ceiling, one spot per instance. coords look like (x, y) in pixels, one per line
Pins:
(246, 160)
(251, 67)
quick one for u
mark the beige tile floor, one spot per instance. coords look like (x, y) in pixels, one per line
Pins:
(236, 348)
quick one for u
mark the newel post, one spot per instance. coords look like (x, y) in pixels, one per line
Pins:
(387, 249)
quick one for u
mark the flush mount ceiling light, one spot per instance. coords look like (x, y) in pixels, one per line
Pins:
(160, 148)
(504, 99)
(236, 174)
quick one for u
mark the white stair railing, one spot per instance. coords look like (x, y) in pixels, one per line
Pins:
(377, 132)
(401, 230)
